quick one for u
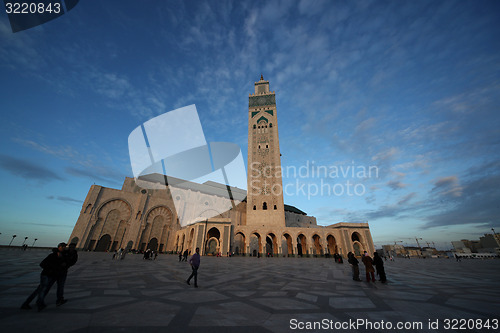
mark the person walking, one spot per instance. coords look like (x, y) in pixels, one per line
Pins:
(52, 265)
(368, 262)
(355, 266)
(195, 264)
(379, 264)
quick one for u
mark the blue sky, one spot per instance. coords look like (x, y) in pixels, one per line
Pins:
(411, 87)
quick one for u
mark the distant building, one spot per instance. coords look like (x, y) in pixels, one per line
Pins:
(488, 243)
(413, 251)
(394, 250)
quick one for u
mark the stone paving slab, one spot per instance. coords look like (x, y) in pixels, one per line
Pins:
(243, 294)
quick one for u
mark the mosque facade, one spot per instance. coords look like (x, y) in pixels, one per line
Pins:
(244, 222)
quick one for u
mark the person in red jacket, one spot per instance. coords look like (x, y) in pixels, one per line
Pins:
(368, 262)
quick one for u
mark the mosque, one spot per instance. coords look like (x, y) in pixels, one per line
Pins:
(251, 223)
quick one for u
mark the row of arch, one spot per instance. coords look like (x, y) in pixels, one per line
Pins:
(299, 244)
(212, 244)
(270, 243)
(263, 126)
(264, 206)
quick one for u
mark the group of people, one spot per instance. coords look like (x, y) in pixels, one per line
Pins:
(369, 270)
(119, 255)
(150, 254)
(183, 256)
(54, 269)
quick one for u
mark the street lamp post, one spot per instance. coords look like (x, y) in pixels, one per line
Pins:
(25, 238)
(34, 242)
(13, 236)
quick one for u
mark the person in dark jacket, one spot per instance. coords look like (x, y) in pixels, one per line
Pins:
(52, 266)
(70, 256)
(379, 264)
(195, 264)
(355, 266)
(368, 261)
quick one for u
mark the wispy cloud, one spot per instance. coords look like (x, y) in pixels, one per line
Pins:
(396, 185)
(105, 176)
(66, 226)
(27, 169)
(87, 166)
(448, 186)
(65, 199)
(475, 201)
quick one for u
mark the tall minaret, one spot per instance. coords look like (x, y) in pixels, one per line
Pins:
(265, 188)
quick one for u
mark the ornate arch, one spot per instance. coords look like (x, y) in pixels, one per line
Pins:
(158, 221)
(159, 210)
(358, 248)
(240, 242)
(116, 203)
(109, 217)
(356, 236)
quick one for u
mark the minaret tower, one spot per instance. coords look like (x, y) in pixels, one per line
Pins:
(265, 188)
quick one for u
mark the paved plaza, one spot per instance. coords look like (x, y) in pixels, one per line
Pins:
(246, 294)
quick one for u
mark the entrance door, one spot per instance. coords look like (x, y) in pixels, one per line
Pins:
(212, 247)
(103, 243)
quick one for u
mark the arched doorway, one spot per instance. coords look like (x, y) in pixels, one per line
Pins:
(255, 244)
(301, 245)
(182, 242)
(286, 244)
(356, 237)
(332, 245)
(153, 244)
(103, 243)
(357, 249)
(239, 243)
(318, 249)
(212, 246)
(271, 245)
(190, 239)
(213, 241)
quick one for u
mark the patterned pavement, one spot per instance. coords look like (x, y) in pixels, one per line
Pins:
(243, 294)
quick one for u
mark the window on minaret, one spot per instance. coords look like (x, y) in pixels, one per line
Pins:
(264, 206)
(254, 207)
(275, 207)
(270, 125)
